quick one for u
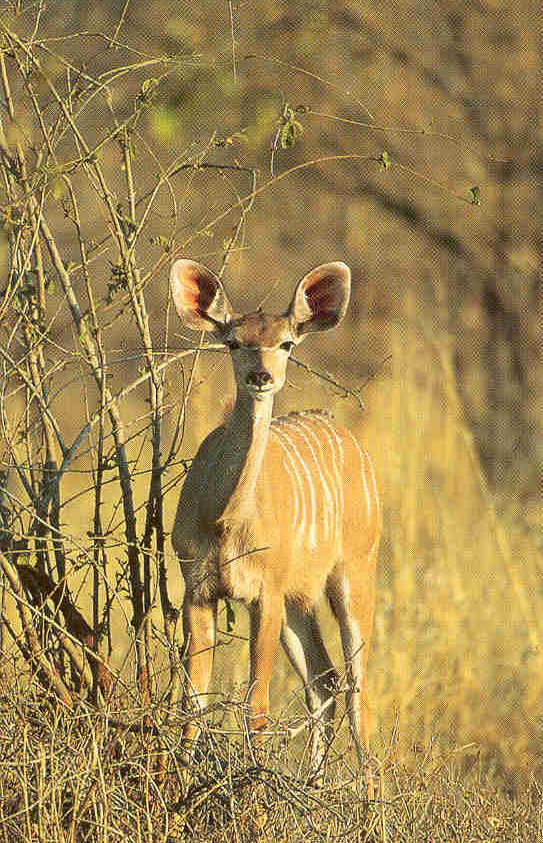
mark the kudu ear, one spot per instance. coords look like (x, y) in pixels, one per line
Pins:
(199, 296)
(320, 299)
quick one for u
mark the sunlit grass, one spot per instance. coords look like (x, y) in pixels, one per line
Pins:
(456, 655)
(455, 661)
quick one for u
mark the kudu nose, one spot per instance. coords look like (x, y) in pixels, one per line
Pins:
(258, 378)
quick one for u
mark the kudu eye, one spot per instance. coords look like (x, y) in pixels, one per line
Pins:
(233, 344)
(287, 346)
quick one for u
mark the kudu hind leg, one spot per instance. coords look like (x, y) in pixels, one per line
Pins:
(352, 606)
(302, 641)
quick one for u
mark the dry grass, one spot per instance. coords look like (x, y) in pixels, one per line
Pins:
(454, 678)
(78, 778)
(457, 650)
(454, 674)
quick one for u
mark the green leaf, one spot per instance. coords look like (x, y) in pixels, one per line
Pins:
(146, 91)
(475, 195)
(384, 160)
(291, 129)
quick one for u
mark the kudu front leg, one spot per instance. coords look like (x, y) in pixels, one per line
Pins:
(265, 627)
(200, 631)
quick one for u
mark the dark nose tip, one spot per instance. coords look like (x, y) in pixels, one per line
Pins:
(259, 377)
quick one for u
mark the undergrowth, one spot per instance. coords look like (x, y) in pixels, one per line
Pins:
(85, 777)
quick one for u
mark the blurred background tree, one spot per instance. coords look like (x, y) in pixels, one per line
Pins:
(451, 91)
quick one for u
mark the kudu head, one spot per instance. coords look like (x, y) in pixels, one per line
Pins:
(259, 343)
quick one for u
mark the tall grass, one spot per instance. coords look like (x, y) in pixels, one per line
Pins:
(457, 649)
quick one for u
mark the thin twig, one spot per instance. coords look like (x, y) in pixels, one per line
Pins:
(233, 39)
(345, 389)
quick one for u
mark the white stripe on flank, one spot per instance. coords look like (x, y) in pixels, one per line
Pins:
(363, 456)
(374, 484)
(320, 462)
(292, 472)
(338, 484)
(293, 450)
(374, 545)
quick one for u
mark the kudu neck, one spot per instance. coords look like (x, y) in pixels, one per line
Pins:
(239, 458)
